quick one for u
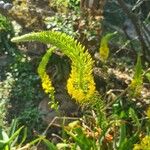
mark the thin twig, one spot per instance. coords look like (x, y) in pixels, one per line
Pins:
(52, 123)
(135, 22)
(113, 101)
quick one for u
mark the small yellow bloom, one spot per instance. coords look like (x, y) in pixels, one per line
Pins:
(104, 48)
(104, 52)
(46, 84)
(137, 147)
(81, 91)
(144, 145)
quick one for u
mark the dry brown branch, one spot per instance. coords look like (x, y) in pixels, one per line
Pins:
(135, 21)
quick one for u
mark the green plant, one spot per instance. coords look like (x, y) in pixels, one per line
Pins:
(5, 141)
(24, 93)
(5, 88)
(63, 22)
(61, 5)
(108, 130)
(6, 32)
(11, 141)
(137, 81)
(80, 85)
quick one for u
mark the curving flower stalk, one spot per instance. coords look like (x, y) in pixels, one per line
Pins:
(80, 84)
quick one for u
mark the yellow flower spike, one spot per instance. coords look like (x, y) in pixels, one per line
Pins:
(80, 84)
(137, 81)
(144, 144)
(46, 81)
(104, 49)
(46, 84)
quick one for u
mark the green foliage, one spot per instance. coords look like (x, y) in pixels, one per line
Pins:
(61, 5)
(135, 118)
(6, 32)
(148, 76)
(81, 139)
(49, 145)
(5, 88)
(63, 23)
(30, 117)
(137, 81)
(24, 93)
(74, 4)
(20, 93)
(16, 138)
(5, 25)
(7, 142)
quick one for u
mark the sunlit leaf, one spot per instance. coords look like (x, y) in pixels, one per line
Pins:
(49, 145)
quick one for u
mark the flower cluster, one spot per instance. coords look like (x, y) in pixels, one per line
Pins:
(135, 88)
(80, 90)
(46, 81)
(104, 51)
(104, 48)
(46, 84)
(144, 145)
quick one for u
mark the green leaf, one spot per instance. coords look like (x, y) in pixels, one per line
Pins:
(138, 69)
(3, 140)
(134, 117)
(81, 140)
(24, 136)
(49, 145)
(13, 127)
(129, 142)
(36, 140)
(122, 137)
(2, 144)
(14, 135)
(32, 143)
(148, 76)
(62, 145)
(4, 135)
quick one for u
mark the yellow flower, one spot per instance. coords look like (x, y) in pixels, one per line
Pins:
(80, 84)
(137, 147)
(104, 49)
(46, 84)
(81, 92)
(144, 145)
(104, 52)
